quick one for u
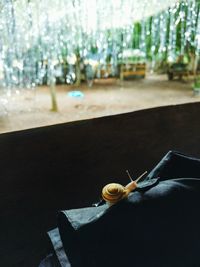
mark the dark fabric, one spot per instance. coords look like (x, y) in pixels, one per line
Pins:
(54, 236)
(50, 261)
(176, 165)
(70, 220)
(158, 227)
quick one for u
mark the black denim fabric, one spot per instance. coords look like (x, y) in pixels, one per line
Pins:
(158, 225)
(51, 261)
(176, 165)
(54, 236)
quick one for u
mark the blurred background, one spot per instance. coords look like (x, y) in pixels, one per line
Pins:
(66, 60)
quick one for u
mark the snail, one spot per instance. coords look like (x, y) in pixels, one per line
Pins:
(114, 192)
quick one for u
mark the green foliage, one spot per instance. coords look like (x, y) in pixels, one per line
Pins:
(136, 35)
(197, 82)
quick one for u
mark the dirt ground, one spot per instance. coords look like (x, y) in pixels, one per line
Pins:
(29, 109)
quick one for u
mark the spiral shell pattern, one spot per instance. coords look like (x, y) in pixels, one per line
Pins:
(114, 192)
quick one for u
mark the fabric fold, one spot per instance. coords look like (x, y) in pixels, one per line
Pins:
(156, 225)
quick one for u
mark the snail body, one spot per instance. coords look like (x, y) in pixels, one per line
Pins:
(131, 186)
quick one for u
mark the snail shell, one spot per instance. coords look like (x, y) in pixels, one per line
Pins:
(112, 193)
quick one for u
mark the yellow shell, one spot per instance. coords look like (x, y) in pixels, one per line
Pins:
(114, 192)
